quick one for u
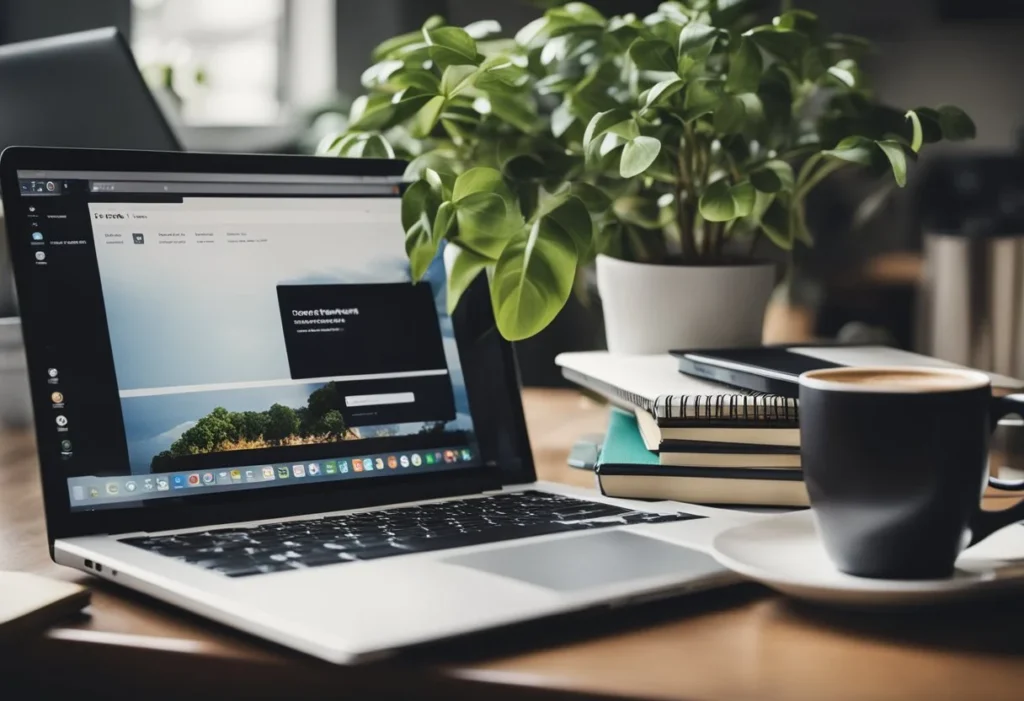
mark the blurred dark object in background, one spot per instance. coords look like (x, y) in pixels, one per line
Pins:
(971, 210)
(980, 9)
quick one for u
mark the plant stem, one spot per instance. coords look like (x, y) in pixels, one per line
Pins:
(814, 180)
(688, 210)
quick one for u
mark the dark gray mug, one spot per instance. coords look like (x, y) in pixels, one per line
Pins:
(896, 461)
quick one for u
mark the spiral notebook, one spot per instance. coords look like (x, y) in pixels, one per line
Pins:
(654, 384)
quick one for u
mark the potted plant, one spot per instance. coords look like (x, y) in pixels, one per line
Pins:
(662, 147)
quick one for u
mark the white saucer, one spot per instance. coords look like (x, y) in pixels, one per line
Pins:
(785, 553)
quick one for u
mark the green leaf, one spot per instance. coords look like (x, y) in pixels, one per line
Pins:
(745, 66)
(561, 120)
(483, 29)
(525, 166)
(533, 278)
(407, 103)
(765, 180)
(444, 221)
(628, 129)
(456, 79)
(516, 111)
(813, 63)
(729, 117)
(638, 210)
(855, 149)
(782, 172)
(917, 140)
(572, 216)
(369, 146)
(702, 97)
(798, 20)
(638, 155)
(782, 43)
(743, 196)
(451, 46)
(845, 75)
(723, 203)
(426, 119)
(477, 180)
(418, 79)
(463, 267)
(602, 122)
(574, 14)
(716, 203)
(695, 35)
(388, 47)
(533, 32)
(664, 90)
(380, 73)
(593, 198)
(419, 209)
(653, 55)
(897, 158)
(441, 182)
(776, 225)
(369, 113)
(956, 125)
(481, 218)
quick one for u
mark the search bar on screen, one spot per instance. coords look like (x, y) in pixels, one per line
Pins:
(378, 399)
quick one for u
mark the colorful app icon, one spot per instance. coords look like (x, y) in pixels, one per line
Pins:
(236, 475)
(392, 462)
(283, 472)
(429, 459)
(62, 420)
(162, 485)
(466, 455)
(52, 372)
(330, 467)
(368, 464)
(357, 465)
(438, 458)
(449, 456)
(208, 478)
(223, 477)
(178, 481)
(130, 486)
(94, 493)
(379, 463)
(40, 256)
(299, 470)
(404, 461)
(250, 475)
(112, 488)
(147, 484)
(343, 467)
(77, 492)
(57, 398)
(416, 460)
(193, 480)
(314, 469)
(268, 473)
(37, 236)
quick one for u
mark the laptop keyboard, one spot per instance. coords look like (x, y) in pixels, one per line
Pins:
(276, 547)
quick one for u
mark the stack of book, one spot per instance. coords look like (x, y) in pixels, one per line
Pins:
(688, 439)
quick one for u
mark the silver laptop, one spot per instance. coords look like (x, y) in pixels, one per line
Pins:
(244, 407)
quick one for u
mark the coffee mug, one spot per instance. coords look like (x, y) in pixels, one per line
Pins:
(896, 461)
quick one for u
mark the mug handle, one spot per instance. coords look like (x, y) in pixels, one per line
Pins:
(985, 523)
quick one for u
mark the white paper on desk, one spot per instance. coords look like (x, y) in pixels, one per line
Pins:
(649, 376)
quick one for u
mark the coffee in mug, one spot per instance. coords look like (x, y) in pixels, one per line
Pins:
(896, 461)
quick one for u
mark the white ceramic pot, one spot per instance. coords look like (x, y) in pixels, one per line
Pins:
(658, 308)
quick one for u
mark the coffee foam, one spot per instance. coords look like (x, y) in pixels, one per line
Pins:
(895, 380)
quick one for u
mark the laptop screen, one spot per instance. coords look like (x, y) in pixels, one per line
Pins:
(260, 332)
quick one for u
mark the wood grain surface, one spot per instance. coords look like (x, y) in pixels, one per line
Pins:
(740, 643)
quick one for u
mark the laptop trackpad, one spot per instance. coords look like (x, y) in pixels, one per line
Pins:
(592, 560)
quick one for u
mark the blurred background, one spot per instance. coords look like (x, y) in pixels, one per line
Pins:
(938, 267)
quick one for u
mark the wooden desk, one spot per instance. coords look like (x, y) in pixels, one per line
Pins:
(743, 643)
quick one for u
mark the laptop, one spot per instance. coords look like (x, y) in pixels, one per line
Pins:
(246, 408)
